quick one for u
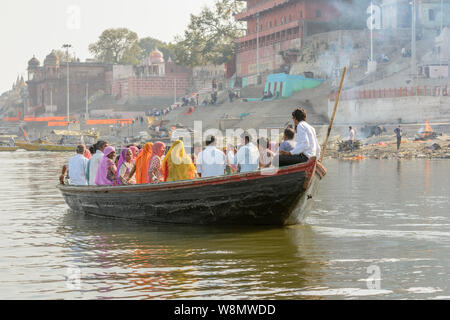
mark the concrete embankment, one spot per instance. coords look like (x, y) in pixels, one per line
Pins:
(392, 110)
(386, 148)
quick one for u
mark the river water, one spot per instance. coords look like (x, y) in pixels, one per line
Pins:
(379, 230)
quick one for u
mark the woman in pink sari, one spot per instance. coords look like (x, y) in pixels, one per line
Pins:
(154, 170)
(107, 170)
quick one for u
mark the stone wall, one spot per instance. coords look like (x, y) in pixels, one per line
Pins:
(151, 87)
(391, 110)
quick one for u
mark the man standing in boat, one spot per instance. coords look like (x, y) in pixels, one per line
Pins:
(78, 167)
(306, 143)
(211, 162)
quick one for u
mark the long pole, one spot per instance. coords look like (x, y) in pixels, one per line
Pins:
(257, 46)
(87, 101)
(336, 104)
(175, 90)
(413, 43)
(442, 36)
(67, 46)
(371, 31)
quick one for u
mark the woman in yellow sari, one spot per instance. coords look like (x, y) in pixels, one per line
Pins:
(178, 165)
(142, 163)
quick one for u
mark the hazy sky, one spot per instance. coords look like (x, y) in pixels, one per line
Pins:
(37, 26)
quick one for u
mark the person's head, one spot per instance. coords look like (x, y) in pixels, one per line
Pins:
(102, 145)
(159, 148)
(210, 141)
(110, 153)
(247, 139)
(350, 128)
(299, 115)
(93, 149)
(263, 143)
(127, 154)
(289, 134)
(81, 149)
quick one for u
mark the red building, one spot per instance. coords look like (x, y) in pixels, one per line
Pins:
(153, 78)
(282, 26)
(47, 84)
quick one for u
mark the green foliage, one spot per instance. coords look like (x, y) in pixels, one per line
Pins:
(117, 46)
(210, 37)
(150, 44)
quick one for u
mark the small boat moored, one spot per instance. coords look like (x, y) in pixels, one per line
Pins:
(7, 143)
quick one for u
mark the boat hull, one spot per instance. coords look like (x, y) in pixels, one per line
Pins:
(284, 198)
(8, 149)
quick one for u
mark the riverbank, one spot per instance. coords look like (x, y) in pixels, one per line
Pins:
(385, 147)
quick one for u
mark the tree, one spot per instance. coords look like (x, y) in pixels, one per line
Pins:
(210, 37)
(149, 44)
(117, 46)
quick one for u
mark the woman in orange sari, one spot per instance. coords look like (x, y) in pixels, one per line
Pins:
(142, 163)
(178, 165)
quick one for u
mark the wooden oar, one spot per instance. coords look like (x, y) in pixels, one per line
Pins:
(338, 97)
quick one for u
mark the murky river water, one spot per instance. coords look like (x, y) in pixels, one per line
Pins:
(379, 230)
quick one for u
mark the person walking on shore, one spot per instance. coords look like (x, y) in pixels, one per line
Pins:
(351, 138)
(398, 131)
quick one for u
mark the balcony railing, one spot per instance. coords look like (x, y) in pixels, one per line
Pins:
(267, 5)
(266, 32)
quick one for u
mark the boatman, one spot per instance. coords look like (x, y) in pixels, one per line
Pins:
(78, 167)
(211, 162)
(95, 162)
(306, 143)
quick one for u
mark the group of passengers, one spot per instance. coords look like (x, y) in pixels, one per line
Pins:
(152, 164)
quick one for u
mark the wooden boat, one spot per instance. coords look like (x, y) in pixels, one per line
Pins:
(28, 146)
(43, 145)
(7, 143)
(282, 197)
(9, 149)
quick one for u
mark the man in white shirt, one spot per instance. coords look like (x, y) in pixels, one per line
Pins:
(78, 167)
(307, 145)
(211, 162)
(95, 161)
(247, 157)
(351, 138)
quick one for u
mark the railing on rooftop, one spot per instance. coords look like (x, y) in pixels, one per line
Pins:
(386, 93)
(260, 7)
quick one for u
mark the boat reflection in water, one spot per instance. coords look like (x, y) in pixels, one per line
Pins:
(139, 260)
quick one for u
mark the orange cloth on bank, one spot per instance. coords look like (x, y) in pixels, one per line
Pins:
(142, 164)
(177, 164)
